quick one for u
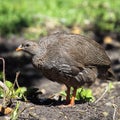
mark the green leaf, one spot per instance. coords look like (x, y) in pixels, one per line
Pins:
(1, 93)
(1, 75)
(20, 91)
(110, 86)
(88, 93)
(63, 93)
(9, 84)
(84, 94)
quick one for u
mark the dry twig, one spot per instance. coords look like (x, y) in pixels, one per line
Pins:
(115, 110)
(106, 89)
(16, 79)
(16, 82)
(3, 61)
(3, 85)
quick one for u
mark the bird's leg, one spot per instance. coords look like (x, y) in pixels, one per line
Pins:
(68, 95)
(72, 101)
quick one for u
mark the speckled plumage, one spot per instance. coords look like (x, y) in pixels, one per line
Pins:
(73, 60)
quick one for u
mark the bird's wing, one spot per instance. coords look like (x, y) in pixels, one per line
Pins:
(80, 49)
(78, 73)
(85, 51)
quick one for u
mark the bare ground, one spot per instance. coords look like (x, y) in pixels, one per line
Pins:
(107, 108)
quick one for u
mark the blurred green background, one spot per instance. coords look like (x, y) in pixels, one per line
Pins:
(37, 16)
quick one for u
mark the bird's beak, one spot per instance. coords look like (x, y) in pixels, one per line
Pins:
(19, 48)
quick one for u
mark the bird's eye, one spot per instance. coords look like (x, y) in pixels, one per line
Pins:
(27, 45)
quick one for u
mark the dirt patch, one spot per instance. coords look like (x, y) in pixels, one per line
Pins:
(108, 108)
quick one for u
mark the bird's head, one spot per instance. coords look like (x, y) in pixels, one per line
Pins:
(29, 47)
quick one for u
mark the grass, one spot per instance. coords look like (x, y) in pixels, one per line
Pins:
(15, 15)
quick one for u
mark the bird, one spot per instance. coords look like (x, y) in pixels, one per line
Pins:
(70, 59)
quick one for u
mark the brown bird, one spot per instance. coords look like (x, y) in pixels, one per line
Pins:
(73, 60)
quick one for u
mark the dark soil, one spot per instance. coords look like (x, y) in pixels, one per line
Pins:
(44, 103)
(108, 108)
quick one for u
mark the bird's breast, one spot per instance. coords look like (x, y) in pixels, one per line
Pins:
(38, 62)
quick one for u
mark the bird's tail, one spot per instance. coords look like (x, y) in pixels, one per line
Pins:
(110, 75)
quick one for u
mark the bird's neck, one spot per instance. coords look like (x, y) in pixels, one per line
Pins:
(40, 52)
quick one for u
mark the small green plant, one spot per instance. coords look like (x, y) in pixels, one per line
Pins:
(8, 93)
(15, 113)
(110, 86)
(12, 93)
(82, 94)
